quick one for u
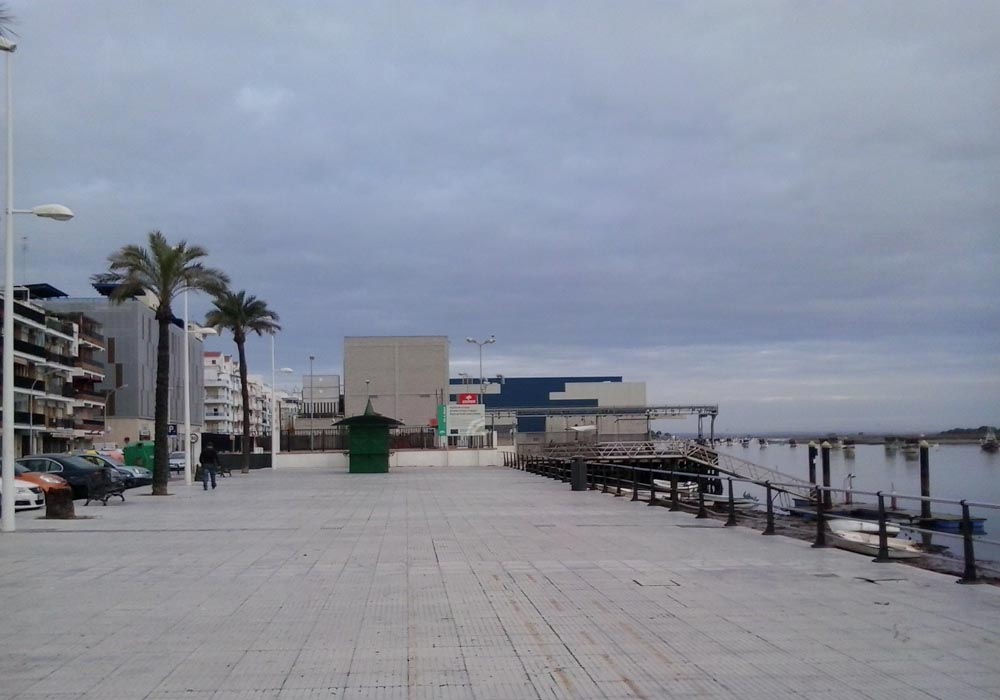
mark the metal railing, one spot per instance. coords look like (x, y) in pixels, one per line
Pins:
(639, 483)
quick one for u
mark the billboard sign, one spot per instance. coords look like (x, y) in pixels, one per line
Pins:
(466, 420)
(468, 399)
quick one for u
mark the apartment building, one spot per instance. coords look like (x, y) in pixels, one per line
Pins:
(129, 362)
(56, 405)
(224, 398)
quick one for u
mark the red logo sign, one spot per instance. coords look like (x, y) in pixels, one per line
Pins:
(467, 399)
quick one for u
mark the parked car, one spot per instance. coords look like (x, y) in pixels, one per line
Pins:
(75, 470)
(126, 473)
(26, 495)
(141, 475)
(177, 462)
(46, 482)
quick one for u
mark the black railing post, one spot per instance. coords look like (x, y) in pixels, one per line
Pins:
(564, 470)
(675, 503)
(825, 458)
(820, 520)
(702, 513)
(769, 528)
(883, 535)
(618, 480)
(731, 520)
(652, 488)
(635, 483)
(969, 575)
(604, 478)
(591, 477)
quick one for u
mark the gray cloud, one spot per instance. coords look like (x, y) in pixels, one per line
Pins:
(640, 189)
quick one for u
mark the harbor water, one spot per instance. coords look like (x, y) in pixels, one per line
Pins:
(957, 472)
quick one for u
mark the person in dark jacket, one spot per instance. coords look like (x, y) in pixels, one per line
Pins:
(209, 459)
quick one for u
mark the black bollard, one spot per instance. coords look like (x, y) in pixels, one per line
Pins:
(969, 575)
(731, 520)
(925, 479)
(769, 529)
(820, 522)
(827, 494)
(883, 535)
(702, 513)
(812, 462)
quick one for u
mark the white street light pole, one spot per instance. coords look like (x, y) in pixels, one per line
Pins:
(481, 343)
(312, 401)
(49, 211)
(200, 332)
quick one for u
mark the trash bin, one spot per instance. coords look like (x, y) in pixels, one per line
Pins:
(140, 454)
(578, 474)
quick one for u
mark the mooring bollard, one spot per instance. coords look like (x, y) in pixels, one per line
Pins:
(827, 493)
(969, 575)
(769, 528)
(883, 535)
(820, 520)
(675, 502)
(731, 520)
(702, 513)
(812, 462)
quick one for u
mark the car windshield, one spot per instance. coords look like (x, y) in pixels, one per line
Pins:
(73, 460)
(20, 469)
(176, 455)
(111, 460)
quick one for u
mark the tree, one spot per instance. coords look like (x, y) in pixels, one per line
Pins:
(162, 271)
(240, 313)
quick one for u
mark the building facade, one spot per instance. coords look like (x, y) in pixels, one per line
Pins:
(406, 377)
(129, 361)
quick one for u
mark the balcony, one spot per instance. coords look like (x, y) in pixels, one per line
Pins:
(61, 326)
(88, 424)
(90, 366)
(85, 395)
(23, 346)
(91, 336)
(29, 313)
(58, 358)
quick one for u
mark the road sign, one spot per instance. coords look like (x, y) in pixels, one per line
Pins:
(442, 420)
(172, 429)
(194, 438)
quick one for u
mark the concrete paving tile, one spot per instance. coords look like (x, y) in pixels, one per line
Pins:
(471, 582)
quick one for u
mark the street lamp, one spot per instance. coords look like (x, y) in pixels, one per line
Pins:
(46, 211)
(199, 332)
(312, 402)
(104, 410)
(275, 415)
(481, 343)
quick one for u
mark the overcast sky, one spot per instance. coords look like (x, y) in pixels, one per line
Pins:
(788, 209)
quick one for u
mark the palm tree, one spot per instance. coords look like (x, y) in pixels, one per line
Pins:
(240, 313)
(162, 271)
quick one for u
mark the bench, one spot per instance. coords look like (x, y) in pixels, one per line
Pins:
(103, 484)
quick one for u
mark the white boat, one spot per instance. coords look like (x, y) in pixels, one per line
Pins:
(685, 489)
(989, 442)
(721, 502)
(854, 536)
(854, 525)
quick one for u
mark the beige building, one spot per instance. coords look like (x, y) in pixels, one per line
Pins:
(406, 377)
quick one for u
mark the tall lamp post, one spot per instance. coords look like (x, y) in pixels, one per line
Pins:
(481, 343)
(275, 414)
(200, 333)
(312, 401)
(48, 211)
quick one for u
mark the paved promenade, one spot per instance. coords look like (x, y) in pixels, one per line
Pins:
(479, 583)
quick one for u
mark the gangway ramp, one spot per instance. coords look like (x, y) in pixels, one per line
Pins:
(785, 485)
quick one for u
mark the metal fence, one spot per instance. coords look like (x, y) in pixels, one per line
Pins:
(684, 491)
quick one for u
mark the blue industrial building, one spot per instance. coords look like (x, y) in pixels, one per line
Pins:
(530, 392)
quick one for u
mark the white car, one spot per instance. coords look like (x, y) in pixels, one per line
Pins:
(26, 495)
(176, 462)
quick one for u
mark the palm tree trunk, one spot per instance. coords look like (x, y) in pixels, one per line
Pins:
(161, 464)
(241, 346)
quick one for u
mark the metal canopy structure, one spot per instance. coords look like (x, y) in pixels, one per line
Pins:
(650, 412)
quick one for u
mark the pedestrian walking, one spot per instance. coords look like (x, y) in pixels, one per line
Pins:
(209, 459)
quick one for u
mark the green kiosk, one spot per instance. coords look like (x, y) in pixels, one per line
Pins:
(369, 436)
